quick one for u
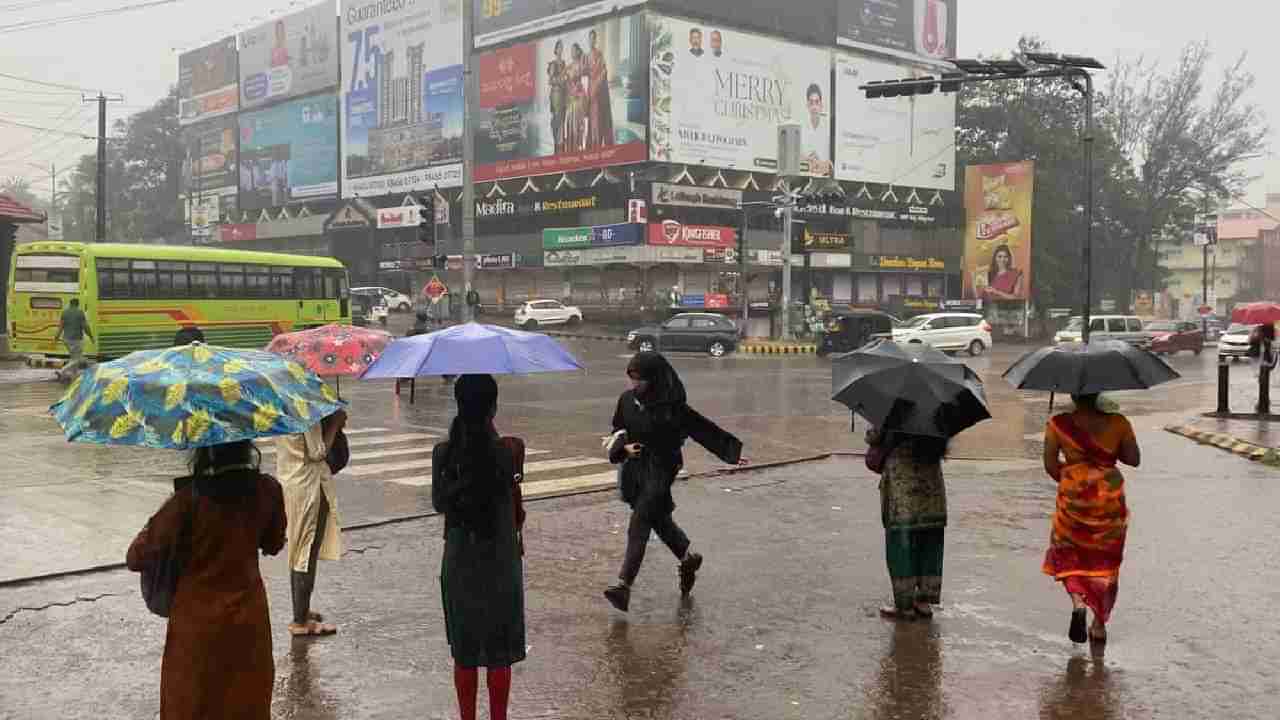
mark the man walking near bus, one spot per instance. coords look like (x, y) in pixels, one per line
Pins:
(72, 330)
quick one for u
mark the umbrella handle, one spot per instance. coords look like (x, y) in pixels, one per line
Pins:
(1051, 393)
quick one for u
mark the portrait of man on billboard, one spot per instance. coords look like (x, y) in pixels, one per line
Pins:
(695, 42)
(815, 133)
(717, 43)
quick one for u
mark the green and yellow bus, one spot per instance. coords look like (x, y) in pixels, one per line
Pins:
(137, 296)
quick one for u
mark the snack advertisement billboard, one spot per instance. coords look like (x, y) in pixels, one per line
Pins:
(912, 29)
(207, 82)
(401, 96)
(997, 240)
(572, 100)
(288, 57)
(498, 21)
(289, 152)
(903, 141)
(209, 155)
(719, 95)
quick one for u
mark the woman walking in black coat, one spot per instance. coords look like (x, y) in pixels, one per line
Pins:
(650, 425)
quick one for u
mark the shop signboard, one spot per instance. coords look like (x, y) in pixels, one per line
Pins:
(565, 238)
(920, 30)
(812, 241)
(675, 233)
(562, 258)
(620, 234)
(402, 99)
(997, 239)
(715, 301)
(830, 260)
(400, 217)
(572, 100)
(498, 21)
(547, 205)
(692, 196)
(289, 152)
(290, 56)
(904, 141)
(349, 217)
(718, 255)
(679, 255)
(904, 262)
(497, 261)
(207, 82)
(719, 95)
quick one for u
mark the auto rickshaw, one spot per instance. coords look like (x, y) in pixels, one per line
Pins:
(851, 329)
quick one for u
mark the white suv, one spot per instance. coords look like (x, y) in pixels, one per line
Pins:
(395, 300)
(947, 331)
(1127, 328)
(546, 312)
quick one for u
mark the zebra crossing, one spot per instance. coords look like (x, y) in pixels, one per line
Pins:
(396, 457)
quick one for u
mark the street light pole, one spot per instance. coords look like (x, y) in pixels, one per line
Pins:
(786, 271)
(470, 106)
(1088, 203)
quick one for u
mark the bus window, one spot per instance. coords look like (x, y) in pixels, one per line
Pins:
(282, 282)
(332, 286)
(257, 281)
(231, 281)
(172, 279)
(143, 279)
(308, 283)
(204, 280)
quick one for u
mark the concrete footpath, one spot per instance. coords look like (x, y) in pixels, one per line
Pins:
(782, 623)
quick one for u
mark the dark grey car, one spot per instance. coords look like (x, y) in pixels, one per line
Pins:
(714, 334)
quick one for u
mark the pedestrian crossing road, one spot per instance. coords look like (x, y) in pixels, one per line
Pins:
(384, 455)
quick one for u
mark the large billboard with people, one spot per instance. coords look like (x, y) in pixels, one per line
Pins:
(401, 96)
(912, 29)
(289, 152)
(898, 141)
(997, 240)
(498, 21)
(288, 57)
(209, 155)
(719, 95)
(207, 81)
(570, 101)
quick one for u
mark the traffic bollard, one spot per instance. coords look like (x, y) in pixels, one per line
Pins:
(1224, 386)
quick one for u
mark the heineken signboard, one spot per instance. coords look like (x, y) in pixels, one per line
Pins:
(566, 238)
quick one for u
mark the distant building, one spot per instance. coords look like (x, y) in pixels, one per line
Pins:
(1236, 265)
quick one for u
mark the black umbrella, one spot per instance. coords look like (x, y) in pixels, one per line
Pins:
(1076, 369)
(911, 388)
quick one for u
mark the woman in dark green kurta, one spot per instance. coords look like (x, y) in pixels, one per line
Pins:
(913, 507)
(481, 576)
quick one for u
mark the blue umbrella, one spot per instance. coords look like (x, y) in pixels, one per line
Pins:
(472, 349)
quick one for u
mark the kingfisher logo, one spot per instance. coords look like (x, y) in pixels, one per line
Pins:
(672, 232)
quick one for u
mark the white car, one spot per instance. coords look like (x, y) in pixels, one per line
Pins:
(1234, 343)
(947, 331)
(395, 300)
(1127, 328)
(546, 312)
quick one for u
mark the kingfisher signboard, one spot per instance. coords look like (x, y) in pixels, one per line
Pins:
(674, 233)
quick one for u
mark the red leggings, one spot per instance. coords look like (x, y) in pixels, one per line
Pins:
(466, 680)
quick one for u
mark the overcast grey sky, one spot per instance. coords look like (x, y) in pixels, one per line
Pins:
(133, 54)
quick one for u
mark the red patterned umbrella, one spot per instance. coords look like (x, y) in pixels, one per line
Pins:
(332, 350)
(1260, 313)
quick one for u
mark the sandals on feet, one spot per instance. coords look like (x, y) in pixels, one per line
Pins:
(924, 611)
(1077, 632)
(893, 613)
(312, 629)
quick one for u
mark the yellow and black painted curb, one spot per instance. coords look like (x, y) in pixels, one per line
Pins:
(1232, 444)
(778, 348)
(40, 361)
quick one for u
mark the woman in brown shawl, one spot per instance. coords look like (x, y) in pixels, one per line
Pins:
(600, 110)
(217, 651)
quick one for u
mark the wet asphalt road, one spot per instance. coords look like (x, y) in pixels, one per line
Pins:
(782, 624)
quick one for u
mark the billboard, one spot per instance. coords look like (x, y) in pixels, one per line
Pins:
(997, 240)
(289, 56)
(289, 152)
(209, 155)
(896, 141)
(402, 99)
(207, 82)
(913, 29)
(570, 101)
(719, 95)
(498, 21)
(672, 233)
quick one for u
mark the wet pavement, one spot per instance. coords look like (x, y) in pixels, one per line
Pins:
(783, 621)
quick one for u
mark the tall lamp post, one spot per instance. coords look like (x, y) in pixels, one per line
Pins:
(1031, 66)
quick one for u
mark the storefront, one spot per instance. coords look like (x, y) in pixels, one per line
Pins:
(883, 280)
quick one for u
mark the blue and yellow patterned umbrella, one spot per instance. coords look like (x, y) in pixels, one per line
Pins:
(192, 396)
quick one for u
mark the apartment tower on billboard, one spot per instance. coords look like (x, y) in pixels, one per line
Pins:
(403, 137)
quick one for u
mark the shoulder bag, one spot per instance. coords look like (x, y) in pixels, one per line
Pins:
(516, 447)
(160, 579)
(339, 453)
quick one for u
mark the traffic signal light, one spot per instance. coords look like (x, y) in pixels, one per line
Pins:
(427, 221)
(826, 197)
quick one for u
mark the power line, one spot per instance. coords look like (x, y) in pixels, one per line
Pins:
(46, 83)
(44, 129)
(33, 24)
(37, 3)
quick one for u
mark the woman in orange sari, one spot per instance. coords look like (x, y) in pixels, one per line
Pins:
(1081, 451)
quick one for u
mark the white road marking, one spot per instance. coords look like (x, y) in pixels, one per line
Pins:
(387, 440)
(424, 479)
(424, 464)
(363, 431)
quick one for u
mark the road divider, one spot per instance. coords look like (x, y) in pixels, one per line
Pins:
(1230, 443)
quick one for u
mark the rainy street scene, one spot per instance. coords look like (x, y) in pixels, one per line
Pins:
(463, 359)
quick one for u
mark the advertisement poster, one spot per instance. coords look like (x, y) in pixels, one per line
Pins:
(997, 240)
(571, 101)
(906, 141)
(207, 82)
(401, 96)
(288, 57)
(913, 29)
(566, 238)
(719, 96)
(289, 152)
(209, 155)
(677, 234)
(498, 21)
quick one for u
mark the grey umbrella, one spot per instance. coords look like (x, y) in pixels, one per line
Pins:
(911, 388)
(1076, 369)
